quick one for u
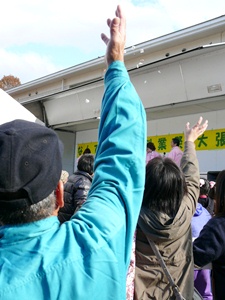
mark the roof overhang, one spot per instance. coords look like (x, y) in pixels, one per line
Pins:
(175, 108)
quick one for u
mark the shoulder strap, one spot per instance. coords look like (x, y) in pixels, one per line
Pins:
(165, 270)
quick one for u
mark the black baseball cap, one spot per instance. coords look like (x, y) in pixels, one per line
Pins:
(30, 163)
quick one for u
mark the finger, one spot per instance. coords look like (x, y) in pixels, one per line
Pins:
(114, 28)
(120, 14)
(187, 126)
(109, 21)
(104, 38)
(205, 125)
(199, 121)
(201, 129)
(118, 11)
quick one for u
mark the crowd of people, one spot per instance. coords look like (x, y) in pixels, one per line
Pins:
(94, 234)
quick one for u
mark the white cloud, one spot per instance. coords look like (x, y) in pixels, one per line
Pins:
(26, 67)
(186, 13)
(81, 22)
(78, 24)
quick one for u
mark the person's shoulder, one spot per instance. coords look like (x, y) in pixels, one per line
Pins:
(206, 212)
(215, 223)
(73, 180)
(179, 149)
(157, 154)
(206, 216)
(219, 220)
(72, 177)
(171, 151)
(83, 175)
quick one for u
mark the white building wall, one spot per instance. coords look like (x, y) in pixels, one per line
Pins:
(68, 139)
(87, 136)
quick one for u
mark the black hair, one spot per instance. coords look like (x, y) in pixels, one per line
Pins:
(220, 194)
(165, 186)
(151, 146)
(204, 187)
(86, 163)
(212, 192)
(176, 141)
(87, 151)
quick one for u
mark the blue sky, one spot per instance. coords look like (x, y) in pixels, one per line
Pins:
(40, 37)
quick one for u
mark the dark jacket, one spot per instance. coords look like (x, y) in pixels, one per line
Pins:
(210, 247)
(75, 194)
(207, 203)
(173, 237)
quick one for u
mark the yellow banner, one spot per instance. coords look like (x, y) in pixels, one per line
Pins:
(209, 140)
(81, 147)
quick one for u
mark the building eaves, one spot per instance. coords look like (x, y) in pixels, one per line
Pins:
(178, 37)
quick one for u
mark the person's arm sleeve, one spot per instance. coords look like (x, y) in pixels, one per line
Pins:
(209, 245)
(115, 197)
(189, 166)
(171, 155)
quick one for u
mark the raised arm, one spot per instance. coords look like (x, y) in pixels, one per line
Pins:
(189, 162)
(116, 193)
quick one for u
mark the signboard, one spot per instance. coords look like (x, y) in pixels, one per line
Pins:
(92, 146)
(209, 140)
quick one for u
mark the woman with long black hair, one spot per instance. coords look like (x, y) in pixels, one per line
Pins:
(169, 202)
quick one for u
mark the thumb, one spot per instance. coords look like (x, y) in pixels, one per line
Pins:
(104, 38)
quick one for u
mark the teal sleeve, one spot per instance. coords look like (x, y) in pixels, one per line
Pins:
(119, 174)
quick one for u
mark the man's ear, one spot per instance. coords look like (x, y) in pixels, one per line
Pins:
(60, 194)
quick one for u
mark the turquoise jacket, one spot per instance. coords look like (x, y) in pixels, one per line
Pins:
(88, 256)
